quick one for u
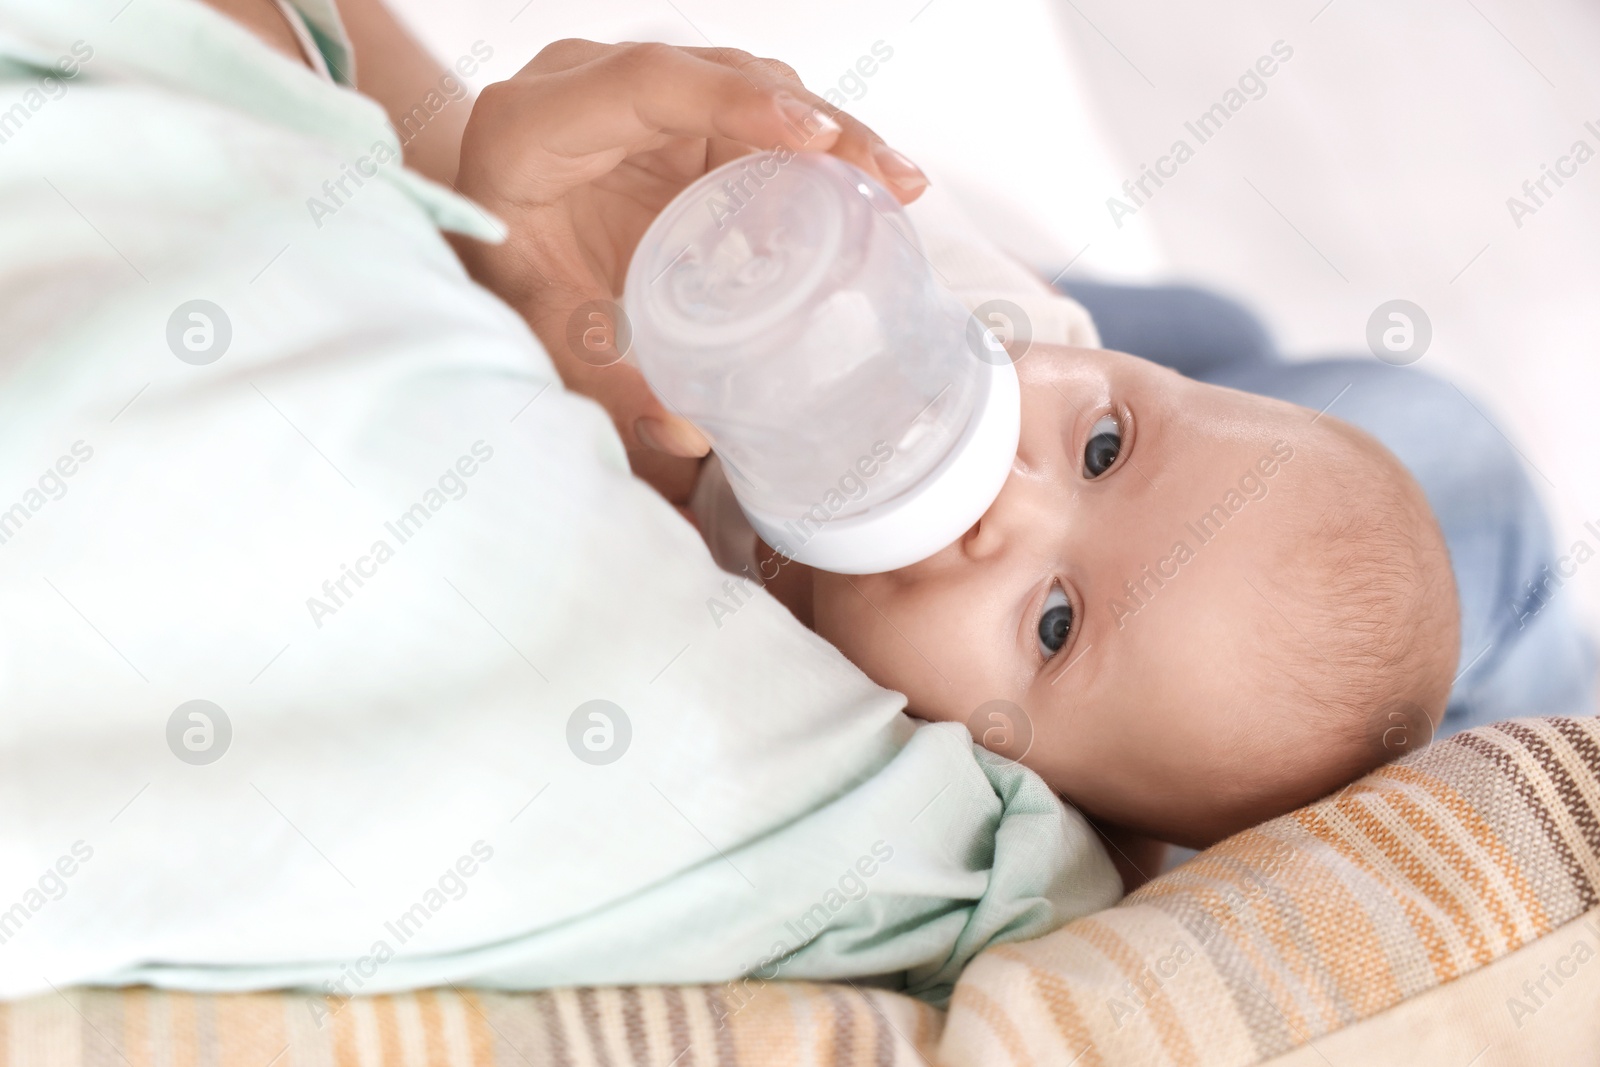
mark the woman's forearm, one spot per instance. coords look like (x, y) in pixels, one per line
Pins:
(395, 69)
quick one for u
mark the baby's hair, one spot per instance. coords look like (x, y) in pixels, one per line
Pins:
(1371, 625)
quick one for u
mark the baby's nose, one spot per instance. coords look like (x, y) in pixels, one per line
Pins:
(1019, 507)
(1026, 508)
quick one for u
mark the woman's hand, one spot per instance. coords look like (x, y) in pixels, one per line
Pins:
(582, 149)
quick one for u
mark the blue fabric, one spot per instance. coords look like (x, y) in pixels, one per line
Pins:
(1522, 649)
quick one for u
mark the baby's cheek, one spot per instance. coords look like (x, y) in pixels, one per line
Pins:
(847, 621)
(879, 632)
(1004, 728)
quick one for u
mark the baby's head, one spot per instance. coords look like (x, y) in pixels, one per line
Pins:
(1211, 606)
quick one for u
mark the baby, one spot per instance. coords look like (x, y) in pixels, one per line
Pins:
(1190, 608)
(1206, 604)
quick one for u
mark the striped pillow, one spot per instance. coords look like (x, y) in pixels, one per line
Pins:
(1423, 872)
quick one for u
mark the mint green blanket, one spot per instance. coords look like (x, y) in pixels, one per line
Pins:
(340, 647)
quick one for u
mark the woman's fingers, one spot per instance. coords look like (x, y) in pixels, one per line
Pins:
(857, 143)
(567, 53)
(584, 118)
(670, 434)
(679, 95)
(640, 416)
(676, 92)
(898, 173)
(573, 117)
(590, 364)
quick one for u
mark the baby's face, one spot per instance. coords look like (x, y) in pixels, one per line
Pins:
(1115, 592)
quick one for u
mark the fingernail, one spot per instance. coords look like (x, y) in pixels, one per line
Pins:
(811, 121)
(675, 439)
(899, 171)
(643, 430)
(691, 442)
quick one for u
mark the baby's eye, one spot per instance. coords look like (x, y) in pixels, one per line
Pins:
(1055, 622)
(1105, 444)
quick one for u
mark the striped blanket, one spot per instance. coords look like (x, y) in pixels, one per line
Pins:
(1443, 908)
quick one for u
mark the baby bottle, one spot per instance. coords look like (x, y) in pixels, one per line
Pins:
(783, 304)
